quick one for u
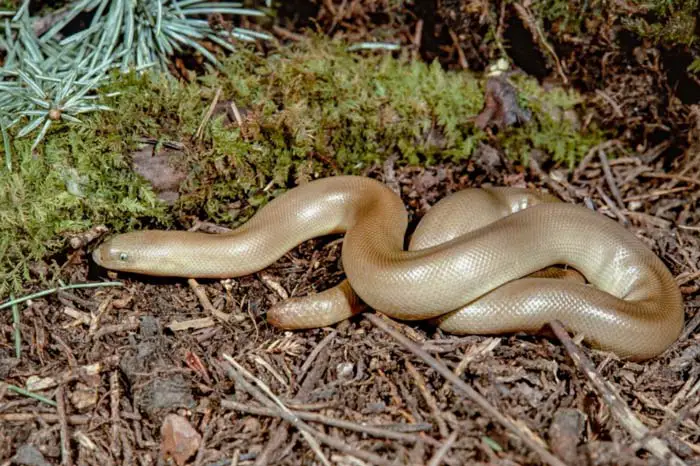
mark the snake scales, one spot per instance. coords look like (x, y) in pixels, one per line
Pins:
(479, 262)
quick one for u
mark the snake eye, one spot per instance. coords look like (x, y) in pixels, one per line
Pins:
(123, 256)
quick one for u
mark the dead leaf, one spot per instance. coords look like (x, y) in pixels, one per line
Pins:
(83, 396)
(501, 107)
(165, 170)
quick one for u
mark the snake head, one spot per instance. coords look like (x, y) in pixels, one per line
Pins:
(115, 253)
(135, 252)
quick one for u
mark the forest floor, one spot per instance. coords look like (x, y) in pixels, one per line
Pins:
(116, 363)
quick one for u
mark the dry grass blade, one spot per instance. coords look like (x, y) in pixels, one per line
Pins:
(529, 438)
(74, 419)
(617, 406)
(207, 116)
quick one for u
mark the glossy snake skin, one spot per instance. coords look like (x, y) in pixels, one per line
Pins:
(478, 262)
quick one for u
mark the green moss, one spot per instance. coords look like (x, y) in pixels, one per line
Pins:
(694, 67)
(9, 5)
(663, 21)
(79, 180)
(668, 21)
(311, 110)
(568, 17)
(555, 129)
(320, 110)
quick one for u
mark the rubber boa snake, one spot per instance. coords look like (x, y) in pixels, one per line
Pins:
(479, 262)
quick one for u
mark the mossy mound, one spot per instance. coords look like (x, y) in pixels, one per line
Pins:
(309, 110)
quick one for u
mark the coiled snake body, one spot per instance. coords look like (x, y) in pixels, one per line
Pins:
(478, 262)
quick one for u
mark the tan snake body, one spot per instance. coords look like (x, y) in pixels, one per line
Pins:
(477, 263)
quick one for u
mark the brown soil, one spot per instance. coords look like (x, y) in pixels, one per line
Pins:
(355, 372)
(159, 345)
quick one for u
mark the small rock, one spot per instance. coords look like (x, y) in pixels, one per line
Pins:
(345, 370)
(149, 326)
(6, 366)
(487, 157)
(501, 106)
(29, 455)
(179, 440)
(39, 269)
(165, 170)
(165, 394)
(565, 433)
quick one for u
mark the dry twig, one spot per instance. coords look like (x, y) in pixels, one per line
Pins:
(63, 423)
(607, 172)
(531, 23)
(265, 396)
(690, 327)
(314, 354)
(204, 300)
(372, 430)
(114, 396)
(529, 438)
(670, 176)
(277, 438)
(590, 155)
(73, 419)
(617, 406)
(442, 451)
(429, 399)
(417, 38)
(460, 53)
(239, 119)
